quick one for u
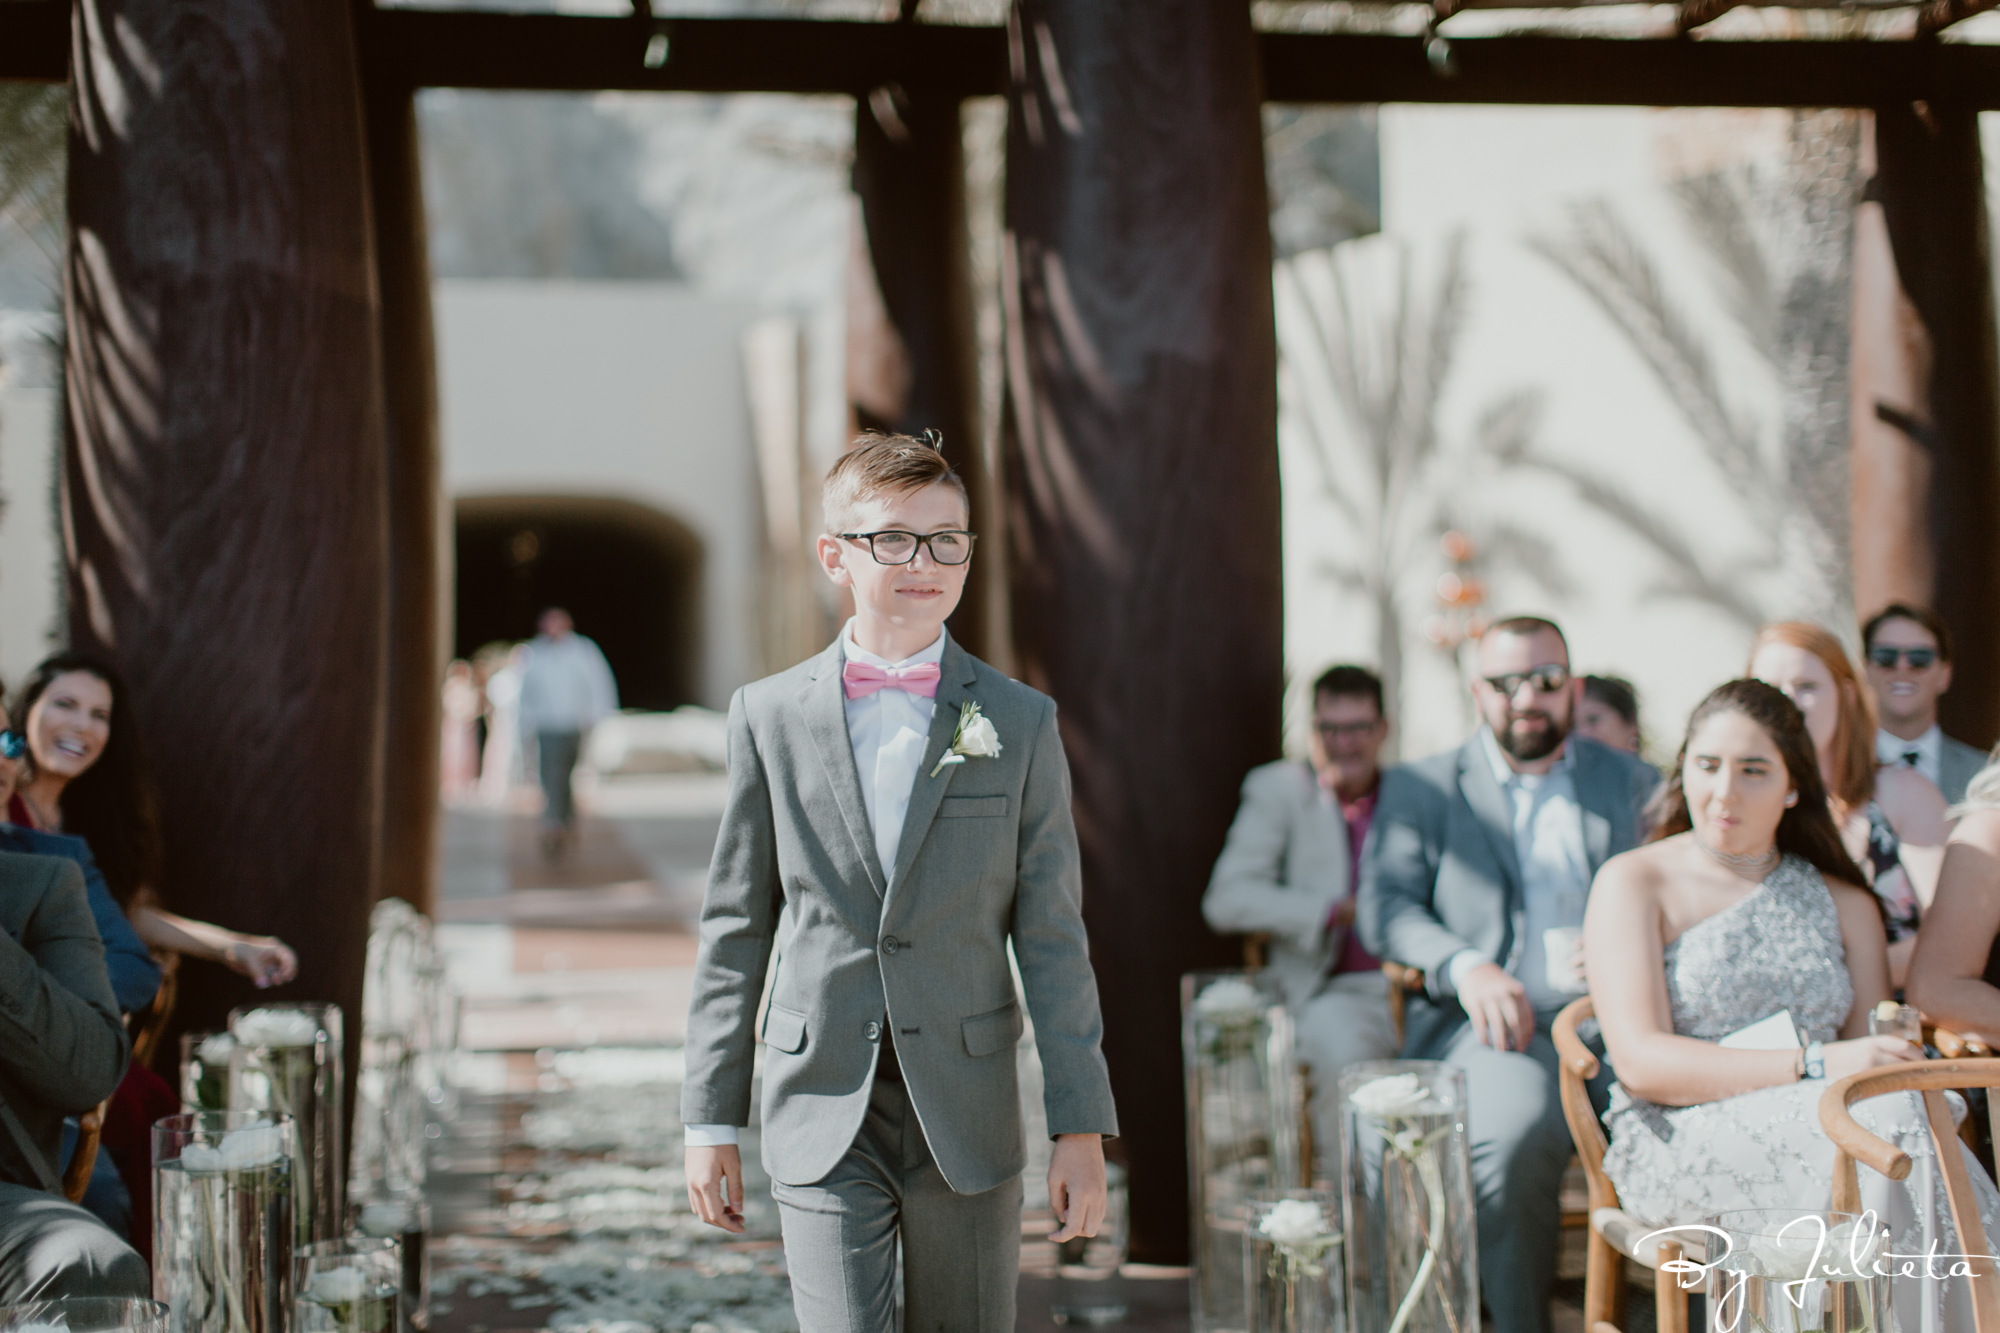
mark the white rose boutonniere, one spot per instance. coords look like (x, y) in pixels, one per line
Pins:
(975, 738)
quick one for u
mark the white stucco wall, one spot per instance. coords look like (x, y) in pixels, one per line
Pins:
(1498, 175)
(632, 391)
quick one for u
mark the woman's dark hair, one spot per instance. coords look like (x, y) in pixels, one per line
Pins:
(1806, 829)
(110, 804)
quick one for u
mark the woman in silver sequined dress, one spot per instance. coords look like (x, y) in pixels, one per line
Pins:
(1743, 905)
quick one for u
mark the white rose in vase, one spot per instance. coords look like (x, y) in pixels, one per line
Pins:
(276, 1027)
(1392, 1096)
(1231, 1002)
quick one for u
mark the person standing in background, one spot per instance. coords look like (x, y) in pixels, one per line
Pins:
(1608, 713)
(1288, 870)
(1908, 654)
(566, 689)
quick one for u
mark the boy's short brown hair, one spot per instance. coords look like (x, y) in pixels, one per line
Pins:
(883, 464)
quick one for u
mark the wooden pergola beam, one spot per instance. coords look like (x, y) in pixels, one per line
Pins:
(1938, 15)
(437, 48)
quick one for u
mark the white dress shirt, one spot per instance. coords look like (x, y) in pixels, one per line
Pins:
(1555, 873)
(566, 685)
(889, 730)
(1928, 748)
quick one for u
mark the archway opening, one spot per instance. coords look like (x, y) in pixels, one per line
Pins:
(628, 574)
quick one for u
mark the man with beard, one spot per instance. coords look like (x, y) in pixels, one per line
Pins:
(1476, 872)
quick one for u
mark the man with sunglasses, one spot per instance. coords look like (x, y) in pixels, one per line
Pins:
(1288, 871)
(1477, 871)
(1908, 651)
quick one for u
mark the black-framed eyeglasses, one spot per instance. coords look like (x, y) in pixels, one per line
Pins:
(895, 547)
(1886, 656)
(1546, 679)
(13, 744)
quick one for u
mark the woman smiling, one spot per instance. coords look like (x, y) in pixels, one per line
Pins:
(83, 774)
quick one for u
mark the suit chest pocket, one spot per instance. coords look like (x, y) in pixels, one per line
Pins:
(972, 807)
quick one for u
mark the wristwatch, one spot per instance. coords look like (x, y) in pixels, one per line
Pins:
(1815, 1061)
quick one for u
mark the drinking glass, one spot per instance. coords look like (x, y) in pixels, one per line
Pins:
(85, 1314)
(348, 1286)
(1889, 1019)
(222, 1227)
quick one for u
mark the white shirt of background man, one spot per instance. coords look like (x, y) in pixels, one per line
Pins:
(1555, 871)
(889, 730)
(1928, 748)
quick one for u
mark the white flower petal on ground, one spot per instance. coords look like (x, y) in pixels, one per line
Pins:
(1294, 1222)
(1391, 1095)
(276, 1027)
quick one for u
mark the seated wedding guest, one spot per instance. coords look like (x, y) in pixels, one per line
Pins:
(135, 976)
(1908, 654)
(1955, 975)
(82, 774)
(1745, 909)
(1477, 871)
(1288, 870)
(62, 1050)
(1608, 713)
(1892, 820)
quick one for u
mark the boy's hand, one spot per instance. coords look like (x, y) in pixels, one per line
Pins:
(1076, 1185)
(715, 1186)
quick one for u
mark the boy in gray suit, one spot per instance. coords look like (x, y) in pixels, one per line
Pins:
(898, 814)
(1477, 870)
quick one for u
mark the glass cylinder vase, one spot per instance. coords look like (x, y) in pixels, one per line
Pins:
(1291, 1262)
(1243, 1134)
(223, 1221)
(288, 1061)
(205, 1058)
(1795, 1270)
(1408, 1205)
(348, 1286)
(406, 1221)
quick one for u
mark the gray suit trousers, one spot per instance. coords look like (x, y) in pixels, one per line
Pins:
(1520, 1150)
(961, 1252)
(50, 1248)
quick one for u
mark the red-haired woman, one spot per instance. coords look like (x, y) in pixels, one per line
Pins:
(1892, 819)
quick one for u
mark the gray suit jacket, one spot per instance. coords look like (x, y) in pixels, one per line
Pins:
(62, 1044)
(988, 855)
(1958, 764)
(1440, 873)
(1284, 866)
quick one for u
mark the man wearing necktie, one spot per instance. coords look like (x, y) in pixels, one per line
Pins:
(1908, 652)
(899, 813)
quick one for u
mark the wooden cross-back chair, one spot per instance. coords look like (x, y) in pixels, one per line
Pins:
(1852, 1143)
(146, 1026)
(1615, 1235)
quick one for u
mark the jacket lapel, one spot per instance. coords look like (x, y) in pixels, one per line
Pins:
(824, 706)
(1489, 807)
(956, 674)
(1597, 791)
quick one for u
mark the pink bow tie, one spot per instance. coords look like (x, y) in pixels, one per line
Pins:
(863, 680)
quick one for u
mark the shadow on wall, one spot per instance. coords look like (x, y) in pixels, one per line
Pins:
(627, 573)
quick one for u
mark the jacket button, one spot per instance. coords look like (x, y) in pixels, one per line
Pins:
(873, 1032)
(890, 944)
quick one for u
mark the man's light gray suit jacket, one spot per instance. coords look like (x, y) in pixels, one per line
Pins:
(1958, 764)
(1283, 867)
(988, 853)
(1440, 873)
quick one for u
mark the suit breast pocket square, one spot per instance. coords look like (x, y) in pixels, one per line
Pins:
(972, 807)
(784, 1029)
